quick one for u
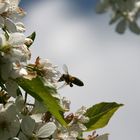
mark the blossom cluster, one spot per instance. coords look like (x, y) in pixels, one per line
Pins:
(20, 119)
(124, 12)
(17, 119)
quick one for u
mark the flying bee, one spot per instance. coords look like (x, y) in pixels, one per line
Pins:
(70, 80)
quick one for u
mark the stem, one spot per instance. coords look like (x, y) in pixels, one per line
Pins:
(25, 97)
(30, 104)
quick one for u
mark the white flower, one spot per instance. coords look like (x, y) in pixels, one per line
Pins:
(4, 6)
(67, 136)
(9, 25)
(9, 13)
(20, 103)
(11, 87)
(76, 125)
(79, 114)
(46, 130)
(9, 124)
(1, 22)
(14, 56)
(47, 71)
(50, 72)
(5, 69)
(14, 47)
(27, 126)
(10, 8)
(66, 104)
(81, 111)
(13, 5)
(137, 4)
(43, 131)
(20, 27)
(37, 118)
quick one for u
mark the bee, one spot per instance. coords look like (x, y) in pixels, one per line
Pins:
(70, 80)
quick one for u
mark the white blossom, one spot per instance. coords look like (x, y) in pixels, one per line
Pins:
(27, 126)
(41, 130)
(46, 130)
(14, 55)
(9, 124)
(11, 87)
(9, 15)
(66, 104)
(48, 71)
(4, 6)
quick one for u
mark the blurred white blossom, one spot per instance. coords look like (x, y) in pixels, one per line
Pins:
(9, 123)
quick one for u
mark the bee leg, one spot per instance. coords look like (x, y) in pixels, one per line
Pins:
(71, 85)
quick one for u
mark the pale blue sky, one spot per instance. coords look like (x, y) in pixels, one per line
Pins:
(107, 62)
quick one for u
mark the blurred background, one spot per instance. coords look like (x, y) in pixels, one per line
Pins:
(70, 32)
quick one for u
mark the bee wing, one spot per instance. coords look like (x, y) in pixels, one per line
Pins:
(62, 86)
(65, 68)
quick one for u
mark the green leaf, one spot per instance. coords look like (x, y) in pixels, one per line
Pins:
(36, 88)
(121, 26)
(32, 36)
(134, 27)
(100, 114)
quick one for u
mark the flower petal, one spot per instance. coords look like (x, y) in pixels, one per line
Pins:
(4, 6)
(22, 136)
(20, 27)
(19, 103)
(16, 39)
(46, 130)
(11, 88)
(13, 5)
(10, 26)
(1, 22)
(27, 125)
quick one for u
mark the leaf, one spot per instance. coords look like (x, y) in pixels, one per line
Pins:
(121, 26)
(134, 27)
(36, 88)
(39, 107)
(100, 114)
(32, 36)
